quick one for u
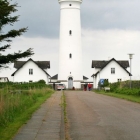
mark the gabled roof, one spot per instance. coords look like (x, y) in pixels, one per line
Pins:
(103, 64)
(95, 74)
(54, 77)
(41, 64)
(85, 78)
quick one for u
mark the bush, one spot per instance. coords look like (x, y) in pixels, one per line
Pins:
(128, 91)
(42, 82)
(23, 86)
(124, 88)
(114, 86)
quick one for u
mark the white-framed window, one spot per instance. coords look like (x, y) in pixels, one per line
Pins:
(112, 70)
(30, 71)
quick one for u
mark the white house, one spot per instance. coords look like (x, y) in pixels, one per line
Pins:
(31, 71)
(111, 70)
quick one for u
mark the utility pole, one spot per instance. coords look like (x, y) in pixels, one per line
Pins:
(130, 57)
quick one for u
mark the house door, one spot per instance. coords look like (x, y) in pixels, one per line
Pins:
(70, 83)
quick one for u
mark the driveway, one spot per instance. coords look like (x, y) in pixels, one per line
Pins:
(94, 116)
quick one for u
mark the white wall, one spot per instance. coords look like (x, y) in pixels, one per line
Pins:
(22, 75)
(77, 85)
(120, 73)
(70, 44)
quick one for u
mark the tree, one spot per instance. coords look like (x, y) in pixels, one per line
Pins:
(6, 18)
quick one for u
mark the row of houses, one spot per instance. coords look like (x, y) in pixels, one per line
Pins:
(31, 71)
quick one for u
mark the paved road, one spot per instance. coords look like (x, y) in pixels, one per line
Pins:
(98, 117)
(45, 123)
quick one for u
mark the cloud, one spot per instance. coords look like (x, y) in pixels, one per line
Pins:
(45, 49)
(110, 14)
(109, 29)
(107, 44)
(96, 44)
(41, 18)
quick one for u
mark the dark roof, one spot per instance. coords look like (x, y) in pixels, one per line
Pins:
(101, 64)
(85, 78)
(95, 74)
(55, 76)
(41, 64)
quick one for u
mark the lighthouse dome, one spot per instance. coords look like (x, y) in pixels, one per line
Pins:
(70, 0)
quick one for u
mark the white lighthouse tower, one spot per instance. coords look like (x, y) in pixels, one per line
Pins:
(70, 49)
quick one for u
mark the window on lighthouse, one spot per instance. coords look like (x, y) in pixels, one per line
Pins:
(70, 32)
(70, 55)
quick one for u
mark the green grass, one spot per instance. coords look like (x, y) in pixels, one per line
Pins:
(64, 106)
(19, 109)
(133, 98)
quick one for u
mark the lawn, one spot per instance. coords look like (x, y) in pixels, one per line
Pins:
(16, 108)
(133, 98)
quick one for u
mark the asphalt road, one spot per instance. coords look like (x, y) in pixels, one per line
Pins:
(94, 116)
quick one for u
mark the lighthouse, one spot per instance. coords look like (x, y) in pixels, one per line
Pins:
(70, 48)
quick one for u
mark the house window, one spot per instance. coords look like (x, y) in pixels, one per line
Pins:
(112, 70)
(70, 32)
(30, 71)
(119, 80)
(70, 55)
(30, 81)
(70, 4)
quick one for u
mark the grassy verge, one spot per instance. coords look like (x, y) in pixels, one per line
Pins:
(18, 108)
(133, 98)
(64, 105)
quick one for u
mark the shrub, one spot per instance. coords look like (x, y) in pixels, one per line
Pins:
(114, 86)
(42, 81)
(128, 91)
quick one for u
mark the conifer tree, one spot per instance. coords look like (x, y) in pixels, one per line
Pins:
(6, 18)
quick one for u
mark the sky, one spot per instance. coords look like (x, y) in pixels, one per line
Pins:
(110, 29)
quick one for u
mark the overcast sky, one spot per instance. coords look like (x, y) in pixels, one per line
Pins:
(110, 29)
